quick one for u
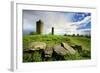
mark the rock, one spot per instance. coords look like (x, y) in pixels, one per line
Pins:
(68, 48)
(48, 52)
(60, 50)
(37, 45)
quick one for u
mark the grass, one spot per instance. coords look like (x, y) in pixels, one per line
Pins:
(52, 40)
(83, 41)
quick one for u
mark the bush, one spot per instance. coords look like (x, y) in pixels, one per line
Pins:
(73, 35)
(65, 34)
(78, 35)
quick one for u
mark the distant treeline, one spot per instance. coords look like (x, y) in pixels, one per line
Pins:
(79, 35)
(88, 36)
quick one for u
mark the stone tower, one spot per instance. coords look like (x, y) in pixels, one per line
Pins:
(39, 27)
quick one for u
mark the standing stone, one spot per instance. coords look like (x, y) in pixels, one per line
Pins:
(68, 48)
(60, 50)
(52, 30)
(39, 27)
(37, 46)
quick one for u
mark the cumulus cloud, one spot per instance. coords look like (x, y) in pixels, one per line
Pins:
(82, 22)
(74, 26)
(61, 21)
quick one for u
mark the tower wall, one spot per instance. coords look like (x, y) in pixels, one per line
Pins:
(39, 27)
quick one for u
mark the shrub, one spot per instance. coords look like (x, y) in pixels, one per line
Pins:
(78, 35)
(65, 34)
(73, 35)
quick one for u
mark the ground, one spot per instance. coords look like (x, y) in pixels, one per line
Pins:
(52, 40)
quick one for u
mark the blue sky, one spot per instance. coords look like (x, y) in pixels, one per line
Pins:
(63, 22)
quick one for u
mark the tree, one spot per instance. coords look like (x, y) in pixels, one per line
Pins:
(78, 35)
(73, 35)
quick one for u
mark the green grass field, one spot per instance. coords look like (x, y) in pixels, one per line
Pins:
(52, 40)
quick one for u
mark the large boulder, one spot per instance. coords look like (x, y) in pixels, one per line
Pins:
(48, 52)
(60, 50)
(37, 46)
(68, 48)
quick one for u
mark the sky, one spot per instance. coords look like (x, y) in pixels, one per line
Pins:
(63, 22)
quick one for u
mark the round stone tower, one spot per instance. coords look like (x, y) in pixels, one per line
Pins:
(39, 27)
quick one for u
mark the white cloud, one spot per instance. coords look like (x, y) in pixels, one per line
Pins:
(61, 22)
(82, 23)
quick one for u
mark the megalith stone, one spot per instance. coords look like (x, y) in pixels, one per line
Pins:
(48, 52)
(68, 48)
(60, 50)
(37, 45)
